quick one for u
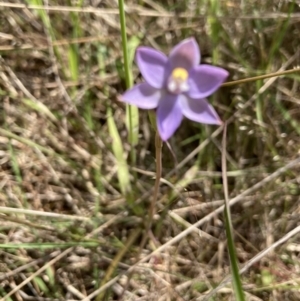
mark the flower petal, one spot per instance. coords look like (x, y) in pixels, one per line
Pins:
(185, 55)
(152, 64)
(204, 80)
(143, 96)
(199, 110)
(169, 116)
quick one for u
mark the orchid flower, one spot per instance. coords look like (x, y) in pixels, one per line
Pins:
(176, 86)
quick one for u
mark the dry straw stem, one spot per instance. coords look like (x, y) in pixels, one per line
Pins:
(62, 42)
(141, 11)
(259, 77)
(9, 210)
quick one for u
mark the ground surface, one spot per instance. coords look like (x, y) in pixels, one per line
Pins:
(68, 230)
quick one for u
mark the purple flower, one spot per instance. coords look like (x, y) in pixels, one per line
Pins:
(176, 86)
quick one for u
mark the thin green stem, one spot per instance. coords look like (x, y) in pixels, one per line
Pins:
(124, 43)
(127, 73)
(237, 284)
(158, 156)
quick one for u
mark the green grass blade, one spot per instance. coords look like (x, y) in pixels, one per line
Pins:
(73, 52)
(287, 116)
(28, 142)
(41, 284)
(14, 163)
(39, 107)
(117, 147)
(73, 62)
(133, 43)
(40, 12)
(237, 283)
(131, 112)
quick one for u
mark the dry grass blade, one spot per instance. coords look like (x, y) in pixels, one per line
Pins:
(144, 12)
(42, 213)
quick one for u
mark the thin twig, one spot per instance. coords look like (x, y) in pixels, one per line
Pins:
(264, 76)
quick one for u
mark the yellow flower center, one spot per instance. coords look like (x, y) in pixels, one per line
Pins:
(180, 74)
(178, 81)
